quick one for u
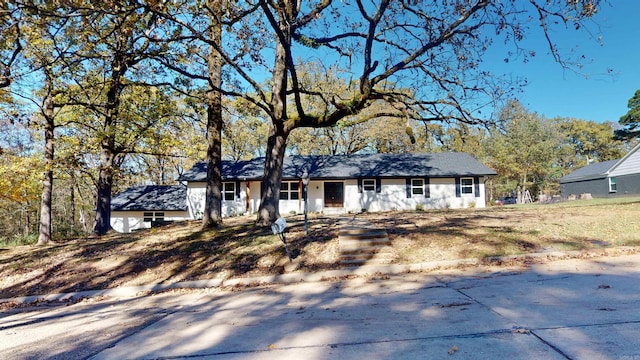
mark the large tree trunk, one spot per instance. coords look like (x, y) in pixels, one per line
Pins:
(212, 216)
(107, 151)
(269, 209)
(270, 198)
(104, 187)
(44, 236)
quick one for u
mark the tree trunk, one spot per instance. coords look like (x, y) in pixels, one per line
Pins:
(269, 209)
(104, 187)
(523, 190)
(212, 216)
(72, 199)
(270, 197)
(108, 150)
(44, 236)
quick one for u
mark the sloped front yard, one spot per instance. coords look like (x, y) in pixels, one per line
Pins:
(181, 251)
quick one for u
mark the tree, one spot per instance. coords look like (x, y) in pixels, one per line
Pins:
(523, 148)
(244, 132)
(631, 120)
(40, 61)
(435, 47)
(10, 40)
(199, 29)
(212, 216)
(588, 141)
(109, 51)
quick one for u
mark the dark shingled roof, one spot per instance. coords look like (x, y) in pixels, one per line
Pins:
(151, 198)
(352, 166)
(593, 171)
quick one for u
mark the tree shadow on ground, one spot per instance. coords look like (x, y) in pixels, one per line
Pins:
(478, 313)
(183, 253)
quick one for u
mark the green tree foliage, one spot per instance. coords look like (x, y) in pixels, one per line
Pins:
(110, 48)
(10, 40)
(587, 141)
(20, 187)
(244, 132)
(523, 149)
(630, 121)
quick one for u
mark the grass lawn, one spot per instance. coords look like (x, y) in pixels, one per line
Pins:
(181, 251)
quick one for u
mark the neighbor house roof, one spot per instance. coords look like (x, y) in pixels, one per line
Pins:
(589, 172)
(151, 198)
(448, 164)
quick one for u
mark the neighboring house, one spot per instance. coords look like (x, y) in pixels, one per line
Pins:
(140, 207)
(605, 179)
(348, 183)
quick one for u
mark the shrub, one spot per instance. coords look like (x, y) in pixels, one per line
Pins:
(18, 240)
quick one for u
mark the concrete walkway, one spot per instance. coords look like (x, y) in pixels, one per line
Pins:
(361, 243)
(569, 309)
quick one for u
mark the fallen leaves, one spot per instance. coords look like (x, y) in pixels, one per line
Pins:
(452, 350)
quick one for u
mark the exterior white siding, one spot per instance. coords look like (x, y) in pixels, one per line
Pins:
(196, 193)
(628, 166)
(127, 221)
(393, 196)
(396, 182)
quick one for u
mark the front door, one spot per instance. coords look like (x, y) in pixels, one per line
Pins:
(334, 194)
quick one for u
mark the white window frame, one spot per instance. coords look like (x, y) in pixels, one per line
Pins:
(467, 189)
(417, 190)
(286, 190)
(368, 185)
(613, 186)
(230, 192)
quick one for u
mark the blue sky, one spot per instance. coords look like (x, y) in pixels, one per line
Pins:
(595, 94)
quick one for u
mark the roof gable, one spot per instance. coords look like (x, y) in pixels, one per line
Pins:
(151, 198)
(352, 166)
(629, 164)
(593, 171)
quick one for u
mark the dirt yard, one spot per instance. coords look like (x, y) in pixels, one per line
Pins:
(181, 251)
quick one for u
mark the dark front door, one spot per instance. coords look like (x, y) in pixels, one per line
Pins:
(333, 194)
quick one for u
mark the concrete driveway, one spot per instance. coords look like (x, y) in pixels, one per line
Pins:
(570, 309)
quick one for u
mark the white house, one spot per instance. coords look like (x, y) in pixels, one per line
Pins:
(140, 207)
(343, 184)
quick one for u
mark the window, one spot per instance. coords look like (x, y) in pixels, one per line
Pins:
(369, 185)
(612, 184)
(229, 191)
(290, 190)
(417, 186)
(149, 216)
(466, 186)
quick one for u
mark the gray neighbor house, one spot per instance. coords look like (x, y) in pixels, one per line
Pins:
(337, 184)
(605, 179)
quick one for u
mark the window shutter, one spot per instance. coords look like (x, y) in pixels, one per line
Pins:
(378, 185)
(408, 187)
(458, 187)
(427, 188)
(360, 185)
(476, 184)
